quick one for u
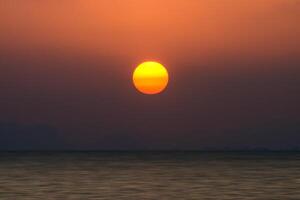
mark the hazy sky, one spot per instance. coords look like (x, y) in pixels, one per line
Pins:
(66, 70)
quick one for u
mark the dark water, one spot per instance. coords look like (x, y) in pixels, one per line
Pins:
(192, 175)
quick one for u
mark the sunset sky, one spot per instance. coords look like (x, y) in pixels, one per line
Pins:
(66, 74)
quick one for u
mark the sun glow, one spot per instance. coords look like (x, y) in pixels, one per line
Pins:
(150, 77)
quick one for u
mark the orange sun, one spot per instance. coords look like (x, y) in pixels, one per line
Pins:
(150, 77)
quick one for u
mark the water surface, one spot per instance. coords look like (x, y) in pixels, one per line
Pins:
(149, 175)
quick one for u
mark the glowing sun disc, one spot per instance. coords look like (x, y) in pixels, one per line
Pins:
(150, 77)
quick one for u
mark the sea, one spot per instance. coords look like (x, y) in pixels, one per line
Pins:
(150, 175)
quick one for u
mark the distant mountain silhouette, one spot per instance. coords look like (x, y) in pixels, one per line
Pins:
(28, 137)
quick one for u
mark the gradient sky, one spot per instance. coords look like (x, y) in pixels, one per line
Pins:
(66, 68)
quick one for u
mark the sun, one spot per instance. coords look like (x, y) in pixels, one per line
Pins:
(150, 77)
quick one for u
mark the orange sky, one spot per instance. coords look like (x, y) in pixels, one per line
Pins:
(155, 28)
(233, 65)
